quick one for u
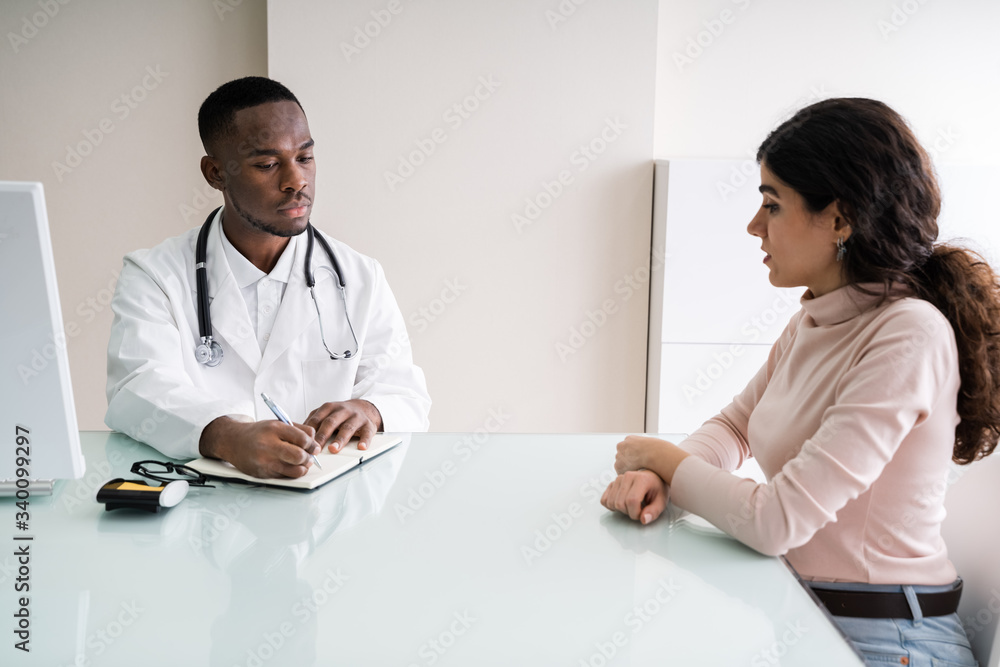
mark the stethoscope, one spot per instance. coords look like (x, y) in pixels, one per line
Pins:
(209, 352)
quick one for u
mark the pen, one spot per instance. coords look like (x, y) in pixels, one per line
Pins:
(280, 414)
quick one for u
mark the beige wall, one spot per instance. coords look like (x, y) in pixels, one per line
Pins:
(63, 85)
(495, 344)
(488, 102)
(519, 293)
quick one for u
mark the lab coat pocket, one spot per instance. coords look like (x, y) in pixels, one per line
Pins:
(327, 380)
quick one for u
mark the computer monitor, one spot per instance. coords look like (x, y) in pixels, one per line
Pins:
(38, 429)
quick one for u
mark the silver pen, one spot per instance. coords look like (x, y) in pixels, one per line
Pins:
(280, 414)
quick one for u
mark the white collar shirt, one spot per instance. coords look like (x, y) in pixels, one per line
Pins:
(261, 292)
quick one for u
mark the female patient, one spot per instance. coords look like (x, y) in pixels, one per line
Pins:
(890, 370)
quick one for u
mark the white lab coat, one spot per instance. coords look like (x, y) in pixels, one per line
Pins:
(159, 394)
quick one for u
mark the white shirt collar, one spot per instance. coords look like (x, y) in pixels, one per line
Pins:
(244, 271)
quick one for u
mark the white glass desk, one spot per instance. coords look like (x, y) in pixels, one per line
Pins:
(443, 552)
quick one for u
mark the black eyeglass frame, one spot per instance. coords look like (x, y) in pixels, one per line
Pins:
(190, 475)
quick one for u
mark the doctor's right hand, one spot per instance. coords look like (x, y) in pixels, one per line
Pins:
(262, 449)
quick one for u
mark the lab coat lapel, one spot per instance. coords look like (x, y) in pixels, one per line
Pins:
(296, 313)
(230, 320)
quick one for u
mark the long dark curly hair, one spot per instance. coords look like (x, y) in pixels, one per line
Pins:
(862, 154)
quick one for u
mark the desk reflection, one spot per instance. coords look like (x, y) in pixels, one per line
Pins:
(260, 538)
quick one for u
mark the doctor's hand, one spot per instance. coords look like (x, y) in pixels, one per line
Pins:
(262, 449)
(344, 420)
(641, 494)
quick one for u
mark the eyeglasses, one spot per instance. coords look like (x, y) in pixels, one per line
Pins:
(160, 471)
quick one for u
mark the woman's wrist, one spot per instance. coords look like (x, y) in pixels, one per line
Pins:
(665, 460)
(637, 452)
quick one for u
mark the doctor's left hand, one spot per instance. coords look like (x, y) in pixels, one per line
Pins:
(343, 420)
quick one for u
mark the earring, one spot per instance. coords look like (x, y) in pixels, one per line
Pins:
(841, 249)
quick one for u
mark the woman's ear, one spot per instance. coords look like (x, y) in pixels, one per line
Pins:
(837, 220)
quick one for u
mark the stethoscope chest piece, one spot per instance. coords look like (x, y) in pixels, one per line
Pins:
(208, 353)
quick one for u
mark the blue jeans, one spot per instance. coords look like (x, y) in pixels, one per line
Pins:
(932, 641)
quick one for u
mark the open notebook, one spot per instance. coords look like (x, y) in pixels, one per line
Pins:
(334, 465)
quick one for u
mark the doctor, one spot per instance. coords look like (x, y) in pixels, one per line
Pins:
(340, 365)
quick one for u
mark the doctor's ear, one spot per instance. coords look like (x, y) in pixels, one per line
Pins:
(213, 172)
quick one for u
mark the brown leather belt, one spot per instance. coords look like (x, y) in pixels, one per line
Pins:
(868, 604)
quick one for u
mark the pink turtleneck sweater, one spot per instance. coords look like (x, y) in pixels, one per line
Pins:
(852, 420)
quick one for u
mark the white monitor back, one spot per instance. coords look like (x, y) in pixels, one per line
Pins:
(36, 396)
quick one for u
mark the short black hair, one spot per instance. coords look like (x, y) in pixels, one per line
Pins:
(217, 114)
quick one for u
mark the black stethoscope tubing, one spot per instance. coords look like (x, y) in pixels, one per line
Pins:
(209, 352)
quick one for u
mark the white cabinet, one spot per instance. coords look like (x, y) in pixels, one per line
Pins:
(709, 289)
(715, 282)
(969, 209)
(710, 292)
(697, 380)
